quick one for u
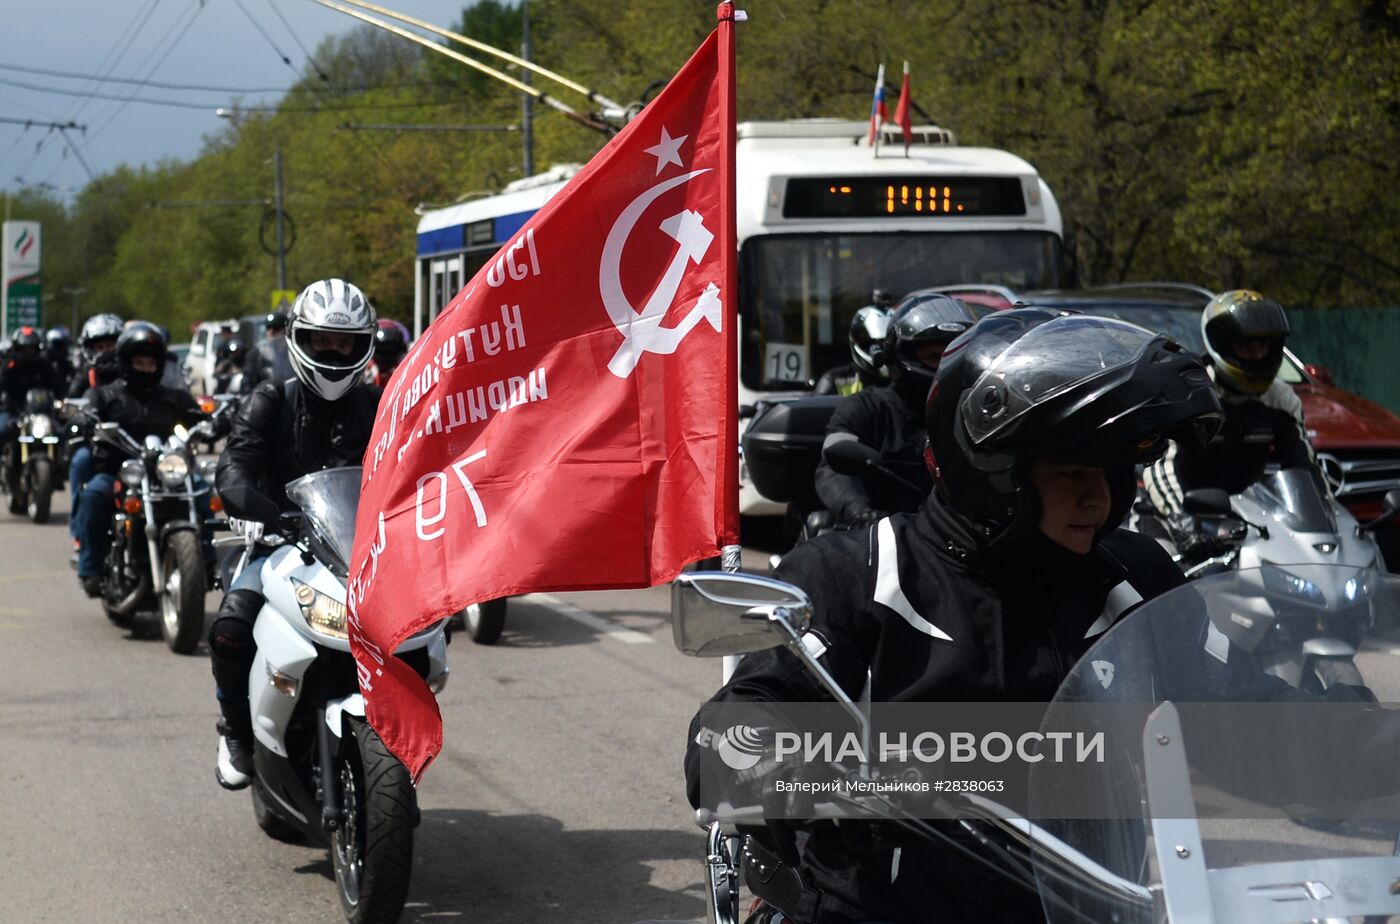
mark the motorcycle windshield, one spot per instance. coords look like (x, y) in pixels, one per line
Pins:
(1298, 499)
(330, 500)
(1247, 771)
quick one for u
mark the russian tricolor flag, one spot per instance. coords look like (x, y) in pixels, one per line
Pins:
(879, 112)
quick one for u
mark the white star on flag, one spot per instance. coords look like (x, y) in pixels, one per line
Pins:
(667, 150)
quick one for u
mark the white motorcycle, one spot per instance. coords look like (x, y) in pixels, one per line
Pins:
(320, 771)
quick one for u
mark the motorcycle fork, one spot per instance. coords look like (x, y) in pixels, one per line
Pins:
(327, 751)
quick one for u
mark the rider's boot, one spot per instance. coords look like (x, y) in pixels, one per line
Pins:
(234, 765)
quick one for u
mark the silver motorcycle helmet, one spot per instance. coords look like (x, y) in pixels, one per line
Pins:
(99, 328)
(330, 337)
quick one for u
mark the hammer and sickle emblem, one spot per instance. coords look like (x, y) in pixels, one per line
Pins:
(642, 331)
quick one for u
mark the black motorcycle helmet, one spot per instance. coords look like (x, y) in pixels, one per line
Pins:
(26, 345)
(58, 341)
(276, 320)
(1033, 381)
(390, 342)
(919, 320)
(1239, 315)
(141, 339)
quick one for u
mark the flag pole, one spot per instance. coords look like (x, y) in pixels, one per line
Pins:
(729, 244)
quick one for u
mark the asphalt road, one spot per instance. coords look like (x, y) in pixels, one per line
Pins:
(558, 796)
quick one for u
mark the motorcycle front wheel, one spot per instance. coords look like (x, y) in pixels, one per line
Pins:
(372, 849)
(182, 598)
(485, 621)
(40, 494)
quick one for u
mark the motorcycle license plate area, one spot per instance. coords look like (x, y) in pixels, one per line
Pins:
(1225, 793)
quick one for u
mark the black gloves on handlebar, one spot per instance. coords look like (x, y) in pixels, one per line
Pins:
(1192, 539)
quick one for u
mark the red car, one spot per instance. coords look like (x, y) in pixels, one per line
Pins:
(1357, 440)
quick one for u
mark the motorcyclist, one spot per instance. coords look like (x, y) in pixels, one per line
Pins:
(268, 361)
(391, 342)
(321, 418)
(141, 406)
(890, 419)
(58, 350)
(866, 368)
(989, 592)
(1244, 334)
(22, 368)
(97, 341)
(229, 364)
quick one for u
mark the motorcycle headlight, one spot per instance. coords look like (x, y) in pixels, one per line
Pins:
(131, 472)
(1360, 587)
(40, 427)
(322, 612)
(1279, 581)
(173, 468)
(208, 469)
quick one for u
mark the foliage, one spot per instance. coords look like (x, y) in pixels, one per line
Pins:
(1250, 142)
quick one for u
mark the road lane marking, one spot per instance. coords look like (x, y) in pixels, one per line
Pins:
(583, 617)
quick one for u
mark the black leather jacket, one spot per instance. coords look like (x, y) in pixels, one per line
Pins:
(152, 412)
(16, 379)
(283, 432)
(269, 363)
(881, 419)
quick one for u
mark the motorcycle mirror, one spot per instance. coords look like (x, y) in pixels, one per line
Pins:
(1207, 501)
(1390, 506)
(250, 503)
(720, 613)
(850, 457)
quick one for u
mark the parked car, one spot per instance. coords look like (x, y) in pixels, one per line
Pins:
(1357, 440)
(203, 354)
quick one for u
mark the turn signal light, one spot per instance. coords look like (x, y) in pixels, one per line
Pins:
(216, 504)
(207, 404)
(132, 506)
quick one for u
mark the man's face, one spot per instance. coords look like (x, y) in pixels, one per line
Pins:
(146, 364)
(332, 341)
(105, 345)
(1074, 502)
(1252, 349)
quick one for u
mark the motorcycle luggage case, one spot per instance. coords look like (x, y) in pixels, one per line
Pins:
(783, 445)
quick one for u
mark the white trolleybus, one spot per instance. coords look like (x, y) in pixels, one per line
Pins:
(822, 221)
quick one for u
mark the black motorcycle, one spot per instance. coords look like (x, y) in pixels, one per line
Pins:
(33, 461)
(156, 560)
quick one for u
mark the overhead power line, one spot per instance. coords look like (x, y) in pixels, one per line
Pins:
(360, 127)
(209, 106)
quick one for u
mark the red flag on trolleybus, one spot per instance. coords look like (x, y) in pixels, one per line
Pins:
(568, 422)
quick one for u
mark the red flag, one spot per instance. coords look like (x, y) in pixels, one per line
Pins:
(901, 110)
(569, 421)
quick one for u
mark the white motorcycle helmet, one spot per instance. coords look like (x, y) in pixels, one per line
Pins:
(330, 338)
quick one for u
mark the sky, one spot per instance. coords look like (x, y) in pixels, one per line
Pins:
(208, 42)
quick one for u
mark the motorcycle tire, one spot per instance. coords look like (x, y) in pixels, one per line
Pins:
(40, 489)
(271, 825)
(182, 598)
(484, 621)
(372, 848)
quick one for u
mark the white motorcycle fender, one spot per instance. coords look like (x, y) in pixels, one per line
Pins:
(338, 709)
(283, 655)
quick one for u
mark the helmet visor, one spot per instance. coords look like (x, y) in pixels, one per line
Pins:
(1050, 359)
(334, 349)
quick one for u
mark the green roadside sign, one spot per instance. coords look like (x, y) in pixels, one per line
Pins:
(22, 300)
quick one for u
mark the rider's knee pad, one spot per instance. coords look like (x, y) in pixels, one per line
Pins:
(231, 635)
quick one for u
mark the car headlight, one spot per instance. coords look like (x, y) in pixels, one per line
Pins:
(173, 468)
(322, 612)
(40, 427)
(1279, 581)
(131, 472)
